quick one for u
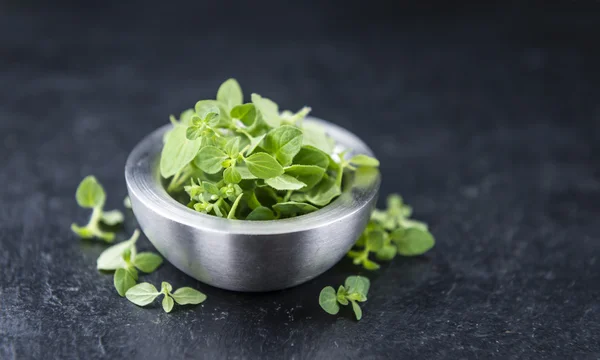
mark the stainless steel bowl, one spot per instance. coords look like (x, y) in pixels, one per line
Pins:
(248, 255)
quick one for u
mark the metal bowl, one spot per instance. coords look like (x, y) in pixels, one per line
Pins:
(246, 255)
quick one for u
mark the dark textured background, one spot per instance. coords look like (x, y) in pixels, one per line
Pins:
(485, 118)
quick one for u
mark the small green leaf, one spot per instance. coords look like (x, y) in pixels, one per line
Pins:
(308, 174)
(294, 208)
(285, 182)
(370, 265)
(263, 166)
(112, 258)
(210, 159)
(261, 213)
(82, 231)
(314, 135)
(268, 109)
(357, 310)
(231, 175)
(211, 112)
(230, 94)
(187, 295)
(123, 281)
(397, 234)
(254, 143)
(357, 297)
(375, 239)
(127, 202)
(133, 272)
(232, 147)
(193, 132)
(328, 300)
(245, 173)
(167, 304)
(324, 192)
(142, 294)
(90, 193)
(309, 155)
(341, 295)
(177, 152)
(357, 284)
(236, 203)
(147, 261)
(246, 113)
(386, 253)
(112, 218)
(165, 287)
(364, 160)
(415, 242)
(284, 142)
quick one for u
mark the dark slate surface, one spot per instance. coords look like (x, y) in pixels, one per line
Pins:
(487, 121)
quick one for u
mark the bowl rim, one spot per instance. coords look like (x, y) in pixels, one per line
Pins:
(145, 186)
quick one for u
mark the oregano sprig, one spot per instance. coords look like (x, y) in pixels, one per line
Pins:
(353, 291)
(90, 195)
(124, 259)
(145, 293)
(389, 233)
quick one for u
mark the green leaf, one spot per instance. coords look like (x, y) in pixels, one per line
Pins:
(357, 310)
(127, 202)
(210, 159)
(230, 94)
(415, 242)
(83, 232)
(284, 142)
(246, 113)
(187, 295)
(364, 160)
(193, 132)
(285, 182)
(133, 272)
(268, 109)
(123, 281)
(397, 234)
(409, 224)
(245, 173)
(328, 300)
(112, 258)
(308, 174)
(232, 147)
(232, 176)
(231, 214)
(376, 239)
(386, 253)
(309, 155)
(177, 152)
(261, 213)
(324, 192)
(263, 166)
(341, 295)
(314, 135)
(357, 284)
(147, 261)
(167, 303)
(370, 265)
(293, 208)
(90, 193)
(165, 287)
(357, 297)
(142, 294)
(112, 218)
(254, 142)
